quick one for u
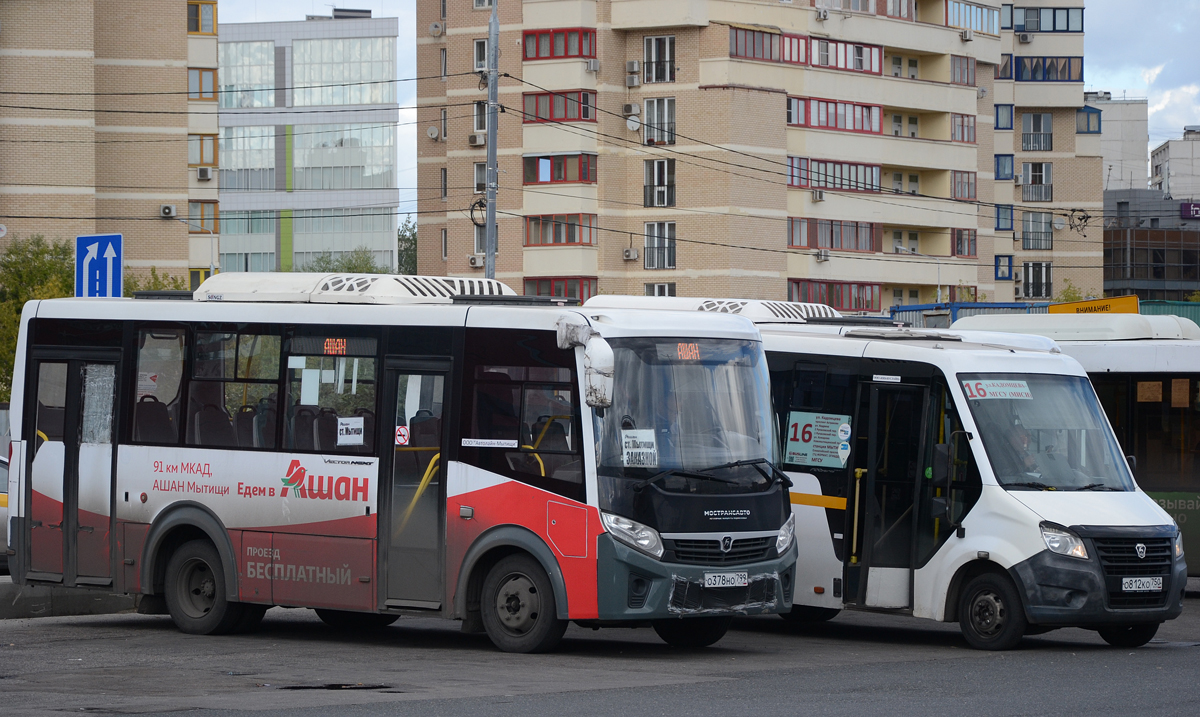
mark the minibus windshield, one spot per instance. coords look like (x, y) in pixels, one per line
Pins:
(683, 412)
(1044, 432)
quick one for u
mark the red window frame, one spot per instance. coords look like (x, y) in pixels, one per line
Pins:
(962, 128)
(562, 220)
(842, 295)
(794, 50)
(832, 110)
(586, 42)
(560, 285)
(962, 70)
(821, 170)
(546, 100)
(754, 44)
(965, 243)
(841, 56)
(799, 118)
(835, 234)
(797, 171)
(585, 169)
(963, 184)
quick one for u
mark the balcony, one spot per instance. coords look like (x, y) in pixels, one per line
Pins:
(1037, 290)
(659, 71)
(1037, 239)
(1037, 142)
(659, 195)
(1037, 193)
(660, 257)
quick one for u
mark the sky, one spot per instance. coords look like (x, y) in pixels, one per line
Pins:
(1149, 48)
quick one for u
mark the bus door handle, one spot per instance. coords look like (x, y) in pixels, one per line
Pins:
(56, 526)
(858, 474)
(86, 529)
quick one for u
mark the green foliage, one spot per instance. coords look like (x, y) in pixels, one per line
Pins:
(154, 282)
(29, 269)
(1194, 296)
(406, 247)
(1069, 292)
(359, 261)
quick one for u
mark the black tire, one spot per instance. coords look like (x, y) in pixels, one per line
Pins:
(807, 613)
(1129, 635)
(990, 613)
(355, 621)
(692, 632)
(518, 608)
(195, 591)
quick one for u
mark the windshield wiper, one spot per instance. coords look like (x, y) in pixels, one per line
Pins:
(1028, 484)
(686, 474)
(775, 476)
(1098, 486)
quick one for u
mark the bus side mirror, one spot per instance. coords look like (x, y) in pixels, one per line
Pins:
(938, 508)
(941, 465)
(1132, 462)
(598, 366)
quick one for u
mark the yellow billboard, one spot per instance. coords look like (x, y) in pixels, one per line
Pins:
(1113, 305)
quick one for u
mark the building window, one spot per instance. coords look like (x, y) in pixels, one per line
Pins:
(479, 117)
(1003, 267)
(1004, 218)
(1048, 19)
(848, 176)
(571, 106)
(898, 242)
(443, 15)
(481, 55)
(964, 242)
(660, 59)
(1004, 69)
(797, 230)
(445, 246)
(1049, 69)
(962, 70)
(247, 74)
(248, 241)
(1037, 182)
(847, 56)
(1037, 132)
(660, 121)
(480, 177)
(913, 68)
(1036, 282)
(753, 44)
(962, 128)
(667, 289)
(1087, 121)
(481, 239)
(964, 185)
(914, 184)
(445, 125)
(202, 217)
(1004, 116)
(797, 171)
(247, 159)
(443, 63)
(560, 229)
(202, 150)
(846, 116)
(834, 234)
(248, 261)
(344, 71)
(202, 18)
(481, 4)
(202, 84)
(1037, 230)
(355, 156)
(558, 43)
(337, 232)
(197, 277)
(970, 16)
(575, 287)
(897, 66)
(844, 296)
(901, 8)
(659, 189)
(797, 112)
(557, 169)
(1006, 17)
(913, 127)
(443, 182)
(660, 245)
(795, 49)
(1004, 166)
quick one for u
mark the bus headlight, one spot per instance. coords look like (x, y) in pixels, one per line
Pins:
(1179, 545)
(633, 533)
(786, 535)
(1063, 542)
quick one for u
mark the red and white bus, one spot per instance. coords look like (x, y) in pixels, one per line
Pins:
(371, 446)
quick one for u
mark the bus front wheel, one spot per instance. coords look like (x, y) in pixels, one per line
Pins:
(692, 632)
(518, 608)
(807, 613)
(1129, 635)
(990, 613)
(195, 591)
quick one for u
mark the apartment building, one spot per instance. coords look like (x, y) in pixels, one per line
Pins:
(114, 143)
(1175, 165)
(1151, 245)
(1124, 137)
(838, 151)
(307, 140)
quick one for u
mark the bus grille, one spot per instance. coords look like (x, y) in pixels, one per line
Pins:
(1119, 559)
(708, 552)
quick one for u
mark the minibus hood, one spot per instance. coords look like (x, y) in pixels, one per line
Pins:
(1093, 508)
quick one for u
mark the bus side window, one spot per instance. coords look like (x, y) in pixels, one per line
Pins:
(330, 399)
(160, 362)
(234, 391)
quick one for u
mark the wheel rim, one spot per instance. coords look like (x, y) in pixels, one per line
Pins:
(197, 588)
(988, 616)
(518, 604)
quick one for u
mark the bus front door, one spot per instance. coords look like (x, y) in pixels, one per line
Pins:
(415, 517)
(71, 472)
(879, 564)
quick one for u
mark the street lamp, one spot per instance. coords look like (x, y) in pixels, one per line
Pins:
(212, 240)
(939, 267)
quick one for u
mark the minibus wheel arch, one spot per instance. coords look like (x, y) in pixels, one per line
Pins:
(487, 550)
(176, 526)
(968, 572)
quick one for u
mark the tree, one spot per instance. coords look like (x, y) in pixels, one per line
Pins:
(359, 261)
(1069, 292)
(29, 269)
(406, 247)
(1193, 297)
(154, 282)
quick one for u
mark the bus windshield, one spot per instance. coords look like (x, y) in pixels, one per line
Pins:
(683, 411)
(1045, 432)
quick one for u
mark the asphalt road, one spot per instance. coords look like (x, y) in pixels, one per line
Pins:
(857, 664)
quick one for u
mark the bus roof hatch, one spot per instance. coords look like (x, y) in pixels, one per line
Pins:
(286, 287)
(757, 310)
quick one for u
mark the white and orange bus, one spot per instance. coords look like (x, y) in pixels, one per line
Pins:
(371, 446)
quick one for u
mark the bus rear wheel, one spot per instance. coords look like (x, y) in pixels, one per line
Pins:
(1129, 635)
(990, 613)
(518, 608)
(195, 591)
(355, 621)
(692, 632)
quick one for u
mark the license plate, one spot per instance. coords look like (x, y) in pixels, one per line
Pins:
(1141, 585)
(726, 580)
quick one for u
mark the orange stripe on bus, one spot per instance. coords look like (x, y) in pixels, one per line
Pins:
(3, 500)
(820, 501)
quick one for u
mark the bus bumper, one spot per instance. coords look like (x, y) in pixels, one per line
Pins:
(1060, 591)
(634, 586)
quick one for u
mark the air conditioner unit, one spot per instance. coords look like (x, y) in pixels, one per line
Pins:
(1017, 277)
(479, 139)
(1024, 37)
(630, 108)
(476, 261)
(633, 67)
(629, 254)
(822, 15)
(592, 66)
(967, 35)
(1018, 180)
(204, 174)
(1017, 291)
(818, 195)
(166, 211)
(633, 80)
(822, 255)
(436, 29)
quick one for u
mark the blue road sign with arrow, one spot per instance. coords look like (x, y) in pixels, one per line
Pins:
(99, 265)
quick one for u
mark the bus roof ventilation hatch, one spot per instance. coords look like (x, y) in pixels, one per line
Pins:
(287, 287)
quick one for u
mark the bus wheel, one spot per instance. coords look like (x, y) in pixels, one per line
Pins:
(1129, 635)
(195, 591)
(807, 613)
(354, 621)
(517, 606)
(990, 613)
(692, 632)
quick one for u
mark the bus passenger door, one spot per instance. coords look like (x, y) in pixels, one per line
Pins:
(416, 499)
(879, 567)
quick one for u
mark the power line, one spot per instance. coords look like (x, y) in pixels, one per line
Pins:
(232, 111)
(235, 91)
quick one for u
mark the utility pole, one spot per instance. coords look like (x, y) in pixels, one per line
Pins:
(493, 72)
